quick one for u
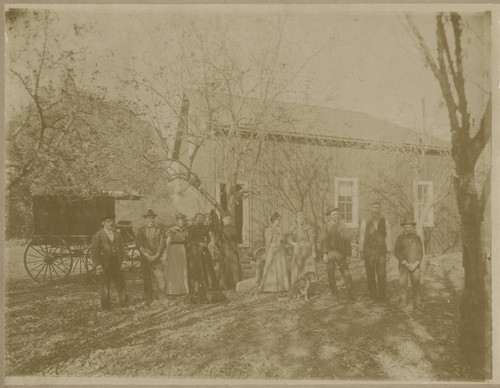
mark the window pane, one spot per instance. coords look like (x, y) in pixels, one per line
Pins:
(348, 217)
(348, 207)
(345, 188)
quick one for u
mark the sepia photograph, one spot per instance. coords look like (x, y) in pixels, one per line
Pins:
(249, 193)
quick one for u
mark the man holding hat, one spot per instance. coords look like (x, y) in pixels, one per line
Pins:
(336, 247)
(148, 242)
(409, 251)
(107, 253)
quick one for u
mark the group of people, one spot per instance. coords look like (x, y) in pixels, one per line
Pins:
(203, 256)
(334, 246)
(184, 259)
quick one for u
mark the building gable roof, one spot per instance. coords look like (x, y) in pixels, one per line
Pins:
(291, 119)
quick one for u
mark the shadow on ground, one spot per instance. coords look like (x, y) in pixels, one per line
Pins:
(58, 329)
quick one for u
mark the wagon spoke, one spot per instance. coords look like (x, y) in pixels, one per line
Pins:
(37, 266)
(40, 252)
(55, 271)
(33, 261)
(65, 266)
(50, 271)
(43, 248)
(36, 276)
(45, 273)
(64, 270)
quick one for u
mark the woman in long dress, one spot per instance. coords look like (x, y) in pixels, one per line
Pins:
(275, 278)
(201, 270)
(176, 266)
(230, 253)
(304, 254)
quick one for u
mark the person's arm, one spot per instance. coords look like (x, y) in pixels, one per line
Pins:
(95, 251)
(121, 248)
(346, 242)
(420, 249)
(388, 236)
(139, 243)
(269, 236)
(419, 254)
(322, 240)
(312, 239)
(401, 253)
(362, 233)
(291, 237)
(398, 249)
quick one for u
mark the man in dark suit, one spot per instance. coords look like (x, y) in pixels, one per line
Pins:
(409, 251)
(148, 242)
(107, 253)
(375, 249)
(336, 247)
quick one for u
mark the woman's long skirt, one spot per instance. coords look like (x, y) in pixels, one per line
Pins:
(275, 278)
(176, 270)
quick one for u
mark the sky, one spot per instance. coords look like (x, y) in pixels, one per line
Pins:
(368, 60)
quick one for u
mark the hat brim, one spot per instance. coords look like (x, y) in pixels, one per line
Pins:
(408, 223)
(109, 217)
(336, 209)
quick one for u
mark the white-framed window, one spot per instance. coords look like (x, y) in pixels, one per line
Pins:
(346, 199)
(423, 193)
(241, 216)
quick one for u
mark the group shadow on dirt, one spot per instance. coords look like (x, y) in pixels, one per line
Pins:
(58, 330)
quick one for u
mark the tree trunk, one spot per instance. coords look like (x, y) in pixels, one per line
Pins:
(472, 339)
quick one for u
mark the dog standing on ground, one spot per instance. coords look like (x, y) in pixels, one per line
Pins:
(301, 286)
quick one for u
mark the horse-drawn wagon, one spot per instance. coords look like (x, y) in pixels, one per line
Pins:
(64, 222)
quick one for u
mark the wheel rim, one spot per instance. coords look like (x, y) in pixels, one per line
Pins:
(48, 262)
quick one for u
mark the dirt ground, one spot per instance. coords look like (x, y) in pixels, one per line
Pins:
(58, 330)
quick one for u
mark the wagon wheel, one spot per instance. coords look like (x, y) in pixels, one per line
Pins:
(81, 257)
(133, 256)
(48, 261)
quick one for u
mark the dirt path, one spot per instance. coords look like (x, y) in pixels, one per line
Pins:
(58, 329)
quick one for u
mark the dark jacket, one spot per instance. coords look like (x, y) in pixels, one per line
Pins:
(375, 238)
(333, 237)
(149, 245)
(103, 250)
(409, 247)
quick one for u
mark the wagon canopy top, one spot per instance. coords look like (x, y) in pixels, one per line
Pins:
(79, 193)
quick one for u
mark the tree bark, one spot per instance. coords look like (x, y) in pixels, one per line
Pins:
(472, 338)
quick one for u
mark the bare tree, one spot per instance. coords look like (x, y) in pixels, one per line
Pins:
(467, 145)
(221, 98)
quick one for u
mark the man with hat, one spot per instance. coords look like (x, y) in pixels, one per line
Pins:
(336, 247)
(107, 253)
(148, 242)
(375, 249)
(409, 251)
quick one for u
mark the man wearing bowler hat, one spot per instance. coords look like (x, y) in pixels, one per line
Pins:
(107, 253)
(336, 247)
(409, 251)
(148, 242)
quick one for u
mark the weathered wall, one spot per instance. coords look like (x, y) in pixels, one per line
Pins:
(371, 167)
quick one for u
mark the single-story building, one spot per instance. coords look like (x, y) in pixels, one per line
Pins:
(295, 157)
